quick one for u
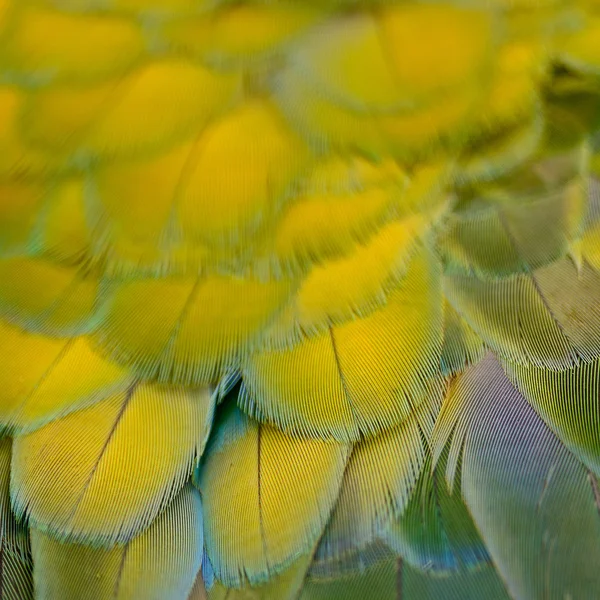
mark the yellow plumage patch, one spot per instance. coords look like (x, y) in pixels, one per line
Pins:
(301, 217)
(262, 513)
(357, 378)
(45, 378)
(161, 561)
(133, 451)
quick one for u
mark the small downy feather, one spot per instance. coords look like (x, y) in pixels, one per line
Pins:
(158, 564)
(100, 475)
(267, 497)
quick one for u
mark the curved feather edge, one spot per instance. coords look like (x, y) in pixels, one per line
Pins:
(102, 474)
(267, 497)
(520, 482)
(159, 564)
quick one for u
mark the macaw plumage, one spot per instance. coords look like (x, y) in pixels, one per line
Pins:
(299, 300)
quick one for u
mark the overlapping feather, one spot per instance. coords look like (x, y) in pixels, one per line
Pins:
(321, 217)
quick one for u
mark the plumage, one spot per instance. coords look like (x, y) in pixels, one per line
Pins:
(262, 515)
(161, 561)
(135, 449)
(299, 300)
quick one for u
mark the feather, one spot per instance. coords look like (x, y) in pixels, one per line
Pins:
(46, 378)
(47, 297)
(567, 401)
(262, 512)
(48, 46)
(395, 579)
(355, 285)
(110, 119)
(285, 586)
(16, 567)
(435, 533)
(239, 174)
(239, 34)
(158, 564)
(194, 329)
(528, 495)
(20, 203)
(358, 378)
(379, 480)
(499, 234)
(462, 346)
(547, 318)
(134, 450)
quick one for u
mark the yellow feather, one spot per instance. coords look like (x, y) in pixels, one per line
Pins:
(46, 296)
(47, 45)
(16, 157)
(360, 377)
(19, 205)
(239, 31)
(262, 513)
(238, 174)
(16, 581)
(157, 564)
(342, 203)
(103, 473)
(457, 53)
(111, 119)
(378, 482)
(285, 586)
(193, 330)
(45, 378)
(336, 291)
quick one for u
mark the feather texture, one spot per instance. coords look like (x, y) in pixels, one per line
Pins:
(134, 450)
(520, 483)
(299, 300)
(261, 514)
(158, 564)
